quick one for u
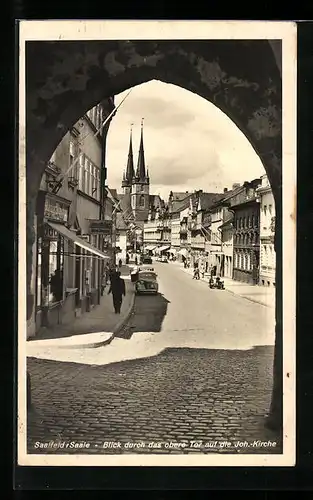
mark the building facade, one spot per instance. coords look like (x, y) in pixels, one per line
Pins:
(246, 238)
(69, 248)
(200, 227)
(267, 232)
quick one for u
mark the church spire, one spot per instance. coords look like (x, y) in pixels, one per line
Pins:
(130, 173)
(141, 168)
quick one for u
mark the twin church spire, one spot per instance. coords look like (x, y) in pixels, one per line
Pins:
(141, 175)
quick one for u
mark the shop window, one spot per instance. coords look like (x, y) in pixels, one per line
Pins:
(56, 263)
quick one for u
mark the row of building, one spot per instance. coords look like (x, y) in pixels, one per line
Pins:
(229, 233)
(81, 224)
(75, 236)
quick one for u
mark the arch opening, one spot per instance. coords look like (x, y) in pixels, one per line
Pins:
(65, 79)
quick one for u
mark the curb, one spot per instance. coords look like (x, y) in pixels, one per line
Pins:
(108, 340)
(234, 293)
(116, 330)
(124, 320)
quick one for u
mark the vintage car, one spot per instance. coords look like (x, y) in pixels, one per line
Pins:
(146, 259)
(146, 281)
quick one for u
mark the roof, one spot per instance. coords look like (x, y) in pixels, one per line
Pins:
(209, 199)
(114, 193)
(180, 201)
(120, 222)
(178, 196)
(141, 216)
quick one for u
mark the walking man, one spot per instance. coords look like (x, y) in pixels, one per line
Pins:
(117, 288)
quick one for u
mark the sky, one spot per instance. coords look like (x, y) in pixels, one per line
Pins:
(189, 143)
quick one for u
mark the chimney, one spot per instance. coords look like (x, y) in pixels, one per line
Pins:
(236, 185)
(225, 190)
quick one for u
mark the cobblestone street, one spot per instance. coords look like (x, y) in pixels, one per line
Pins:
(182, 378)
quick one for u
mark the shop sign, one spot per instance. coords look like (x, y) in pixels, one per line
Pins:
(55, 210)
(101, 227)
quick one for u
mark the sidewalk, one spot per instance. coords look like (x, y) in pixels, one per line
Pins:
(254, 293)
(92, 329)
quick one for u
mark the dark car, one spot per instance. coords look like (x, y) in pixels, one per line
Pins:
(146, 282)
(146, 259)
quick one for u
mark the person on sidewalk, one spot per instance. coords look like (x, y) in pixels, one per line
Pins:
(117, 288)
(120, 263)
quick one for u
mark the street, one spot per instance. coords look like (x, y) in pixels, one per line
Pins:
(190, 365)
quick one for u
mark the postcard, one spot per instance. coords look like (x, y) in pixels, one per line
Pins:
(156, 260)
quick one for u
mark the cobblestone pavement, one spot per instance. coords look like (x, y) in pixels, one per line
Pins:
(178, 399)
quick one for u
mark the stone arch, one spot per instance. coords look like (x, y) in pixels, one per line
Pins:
(65, 79)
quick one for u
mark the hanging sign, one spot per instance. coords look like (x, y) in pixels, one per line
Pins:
(101, 227)
(55, 210)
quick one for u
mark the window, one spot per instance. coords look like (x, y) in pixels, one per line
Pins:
(265, 209)
(81, 176)
(252, 220)
(142, 201)
(72, 159)
(56, 254)
(50, 278)
(141, 187)
(248, 221)
(270, 209)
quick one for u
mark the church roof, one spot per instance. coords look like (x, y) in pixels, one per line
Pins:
(130, 172)
(141, 164)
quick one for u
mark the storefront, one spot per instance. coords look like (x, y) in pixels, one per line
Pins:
(164, 250)
(58, 249)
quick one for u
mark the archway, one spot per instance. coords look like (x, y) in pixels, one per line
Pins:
(242, 78)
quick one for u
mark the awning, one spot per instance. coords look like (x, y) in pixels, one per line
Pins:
(165, 247)
(70, 235)
(150, 247)
(183, 251)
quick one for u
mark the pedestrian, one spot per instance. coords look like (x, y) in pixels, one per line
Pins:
(117, 288)
(120, 263)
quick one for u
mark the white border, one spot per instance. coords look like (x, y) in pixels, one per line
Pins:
(113, 30)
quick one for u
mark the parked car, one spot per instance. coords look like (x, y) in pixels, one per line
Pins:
(146, 259)
(146, 282)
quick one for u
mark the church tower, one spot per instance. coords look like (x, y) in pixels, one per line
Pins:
(140, 185)
(129, 175)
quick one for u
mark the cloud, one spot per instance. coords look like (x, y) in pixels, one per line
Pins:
(189, 142)
(162, 113)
